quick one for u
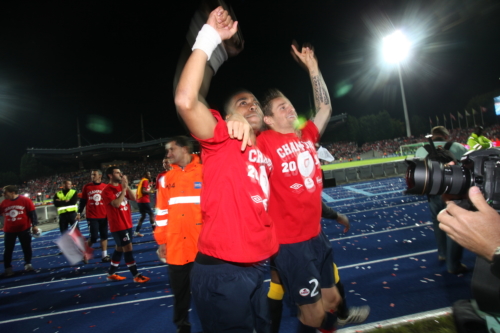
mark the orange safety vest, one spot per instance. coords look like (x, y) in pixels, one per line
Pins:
(178, 211)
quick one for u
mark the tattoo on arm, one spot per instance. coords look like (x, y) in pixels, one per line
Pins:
(320, 92)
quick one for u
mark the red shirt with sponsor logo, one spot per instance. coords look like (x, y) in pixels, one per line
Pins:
(118, 218)
(15, 214)
(143, 198)
(234, 197)
(296, 183)
(94, 208)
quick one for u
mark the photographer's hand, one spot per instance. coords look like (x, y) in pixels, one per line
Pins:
(477, 231)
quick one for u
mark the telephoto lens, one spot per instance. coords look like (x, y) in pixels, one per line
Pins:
(435, 178)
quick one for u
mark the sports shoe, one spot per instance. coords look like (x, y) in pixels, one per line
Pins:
(8, 272)
(28, 268)
(137, 234)
(162, 259)
(106, 259)
(141, 279)
(115, 277)
(357, 314)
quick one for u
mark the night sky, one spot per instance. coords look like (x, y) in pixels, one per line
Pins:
(106, 63)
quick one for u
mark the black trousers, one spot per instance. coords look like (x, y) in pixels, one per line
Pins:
(10, 242)
(66, 220)
(181, 288)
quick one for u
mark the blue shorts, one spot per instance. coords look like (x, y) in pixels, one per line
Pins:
(144, 207)
(123, 237)
(305, 268)
(230, 297)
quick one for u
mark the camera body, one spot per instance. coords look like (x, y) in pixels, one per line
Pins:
(479, 168)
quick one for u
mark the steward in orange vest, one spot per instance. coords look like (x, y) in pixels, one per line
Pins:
(179, 221)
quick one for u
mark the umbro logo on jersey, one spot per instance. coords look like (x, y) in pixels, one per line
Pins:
(304, 292)
(257, 198)
(296, 186)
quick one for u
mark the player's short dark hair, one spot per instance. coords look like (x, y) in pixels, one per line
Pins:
(440, 132)
(11, 189)
(145, 173)
(269, 96)
(109, 171)
(183, 141)
(228, 101)
(96, 170)
(66, 181)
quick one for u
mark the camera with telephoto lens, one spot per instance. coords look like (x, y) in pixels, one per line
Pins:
(480, 168)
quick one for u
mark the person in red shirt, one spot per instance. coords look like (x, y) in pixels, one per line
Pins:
(95, 212)
(20, 221)
(115, 197)
(227, 278)
(305, 258)
(143, 201)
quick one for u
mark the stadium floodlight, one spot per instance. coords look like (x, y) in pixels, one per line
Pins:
(396, 48)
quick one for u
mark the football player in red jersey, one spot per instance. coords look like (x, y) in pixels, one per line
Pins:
(115, 197)
(227, 278)
(95, 212)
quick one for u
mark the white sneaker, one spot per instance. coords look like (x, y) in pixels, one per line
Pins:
(28, 268)
(357, 314)
(8, 272)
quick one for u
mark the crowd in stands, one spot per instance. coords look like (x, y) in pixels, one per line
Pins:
(349, 151)
(342, 151)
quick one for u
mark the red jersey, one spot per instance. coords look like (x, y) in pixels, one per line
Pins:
(296, 183)
(118, 218)
(15, 214)
(236, 226)
(143, 184)
(94, 207)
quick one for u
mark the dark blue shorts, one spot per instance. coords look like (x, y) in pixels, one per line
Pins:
(305, 268)
(144, 208)
(123, 237)
(230, 297)
(98, 228)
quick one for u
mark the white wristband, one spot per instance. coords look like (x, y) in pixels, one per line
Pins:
(207, 40)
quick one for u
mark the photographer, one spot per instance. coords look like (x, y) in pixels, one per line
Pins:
(448, 250)
(479, 232)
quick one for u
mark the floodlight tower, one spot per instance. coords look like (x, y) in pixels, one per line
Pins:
(395, 49)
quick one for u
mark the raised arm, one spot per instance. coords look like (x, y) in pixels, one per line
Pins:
(321, 97)
(195, 114)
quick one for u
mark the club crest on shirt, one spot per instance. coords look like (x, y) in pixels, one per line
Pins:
(304, 292)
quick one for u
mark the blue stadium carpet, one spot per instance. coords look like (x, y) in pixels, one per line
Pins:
(388, 260)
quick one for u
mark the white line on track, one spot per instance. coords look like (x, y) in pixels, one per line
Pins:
(85, 309)
(388, 259)
(78, 278)
(426, 224)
